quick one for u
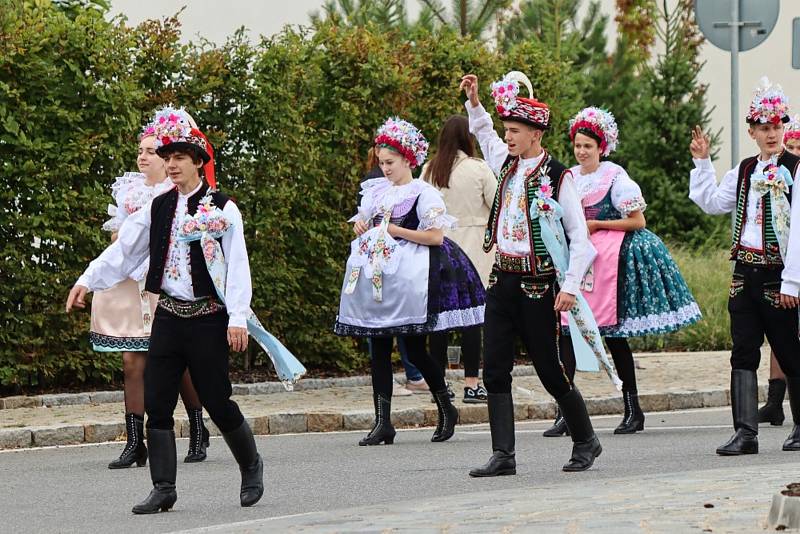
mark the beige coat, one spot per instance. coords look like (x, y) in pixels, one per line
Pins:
(469, 199)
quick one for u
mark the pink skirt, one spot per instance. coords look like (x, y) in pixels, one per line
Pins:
(121, 318)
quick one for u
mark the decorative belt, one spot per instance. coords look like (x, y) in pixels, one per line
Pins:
(189, 309)
(512, 264)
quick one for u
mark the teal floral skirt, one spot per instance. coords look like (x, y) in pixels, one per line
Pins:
(652, 296)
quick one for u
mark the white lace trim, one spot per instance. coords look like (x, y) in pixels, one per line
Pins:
(652, 324)
(449, 320)
(437, 218)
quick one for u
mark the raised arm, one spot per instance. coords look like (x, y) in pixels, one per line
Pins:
(495, 151)
(703, 189)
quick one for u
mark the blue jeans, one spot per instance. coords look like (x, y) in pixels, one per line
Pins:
(412, 373)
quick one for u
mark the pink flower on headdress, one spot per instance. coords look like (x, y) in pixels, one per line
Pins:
(601, 123)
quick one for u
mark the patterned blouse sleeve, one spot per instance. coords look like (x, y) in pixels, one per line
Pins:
(432, 211)
(626, 195)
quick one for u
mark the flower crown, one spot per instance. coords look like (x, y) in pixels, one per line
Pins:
(769, 104)
(148, 130)
(172, 125)
(792, 129)
(601, 123)
(504, 93)
(405, 138)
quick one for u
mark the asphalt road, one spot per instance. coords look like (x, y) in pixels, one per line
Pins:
(69, 489)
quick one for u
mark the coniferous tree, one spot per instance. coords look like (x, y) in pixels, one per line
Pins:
(653, 142)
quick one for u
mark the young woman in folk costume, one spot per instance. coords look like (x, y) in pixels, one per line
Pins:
(122, 315)
(633, 287)
(772, 411)
(404, 278)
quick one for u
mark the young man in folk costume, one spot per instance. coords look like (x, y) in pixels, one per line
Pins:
(766, 251)
(524, 296)
(189, 233)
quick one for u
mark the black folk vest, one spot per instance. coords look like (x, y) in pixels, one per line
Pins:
(161, 217)
(541, 263)
(770, 254)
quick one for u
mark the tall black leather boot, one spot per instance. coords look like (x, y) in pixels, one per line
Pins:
(448, 416)
(559, 427)
(243, 446)
(501, 424)
(382, 431)
(163, 467)
(135, 451)
(744, 405)
(585, 445)
(772, 411)
(792, 443)
(198, 437)
(633, 420)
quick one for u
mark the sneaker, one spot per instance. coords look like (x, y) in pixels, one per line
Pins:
(450, 393)
(399, 391)
(417, 386)
(476, 395)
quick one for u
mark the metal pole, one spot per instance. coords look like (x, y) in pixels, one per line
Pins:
(734, 83)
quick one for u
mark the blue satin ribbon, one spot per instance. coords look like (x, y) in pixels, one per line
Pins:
(288, 368)
(585, 335)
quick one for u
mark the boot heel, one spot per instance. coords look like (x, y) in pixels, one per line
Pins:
(388, 440)
(141, 462)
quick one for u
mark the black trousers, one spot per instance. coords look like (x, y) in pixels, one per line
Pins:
(470, 349)
(754, 308)
(381, 363)
(621, 353)
(519, 307)
(201, 344)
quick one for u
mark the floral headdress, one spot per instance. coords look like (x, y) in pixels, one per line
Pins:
(769, 104)
(601, 123)
(148, 130)
(175, 128)
(405, 138)
(512, 107)
(792, 129)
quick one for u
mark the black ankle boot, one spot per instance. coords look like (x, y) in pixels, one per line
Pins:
(792, 443)
(501, 424)
(198, 437)
(585, 445)
(163, 467)
(135, 451)
(559, 427)
(633, 420)
(744, 405)
(772, 411)
(243, 446)
(448, 416)
(382, 431)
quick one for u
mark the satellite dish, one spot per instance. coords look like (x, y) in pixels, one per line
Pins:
(757, 19)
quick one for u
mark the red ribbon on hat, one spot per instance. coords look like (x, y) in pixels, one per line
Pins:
(208, 168)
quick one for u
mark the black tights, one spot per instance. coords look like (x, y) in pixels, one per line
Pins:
(470, 349)
(381, 356)
(620, 352)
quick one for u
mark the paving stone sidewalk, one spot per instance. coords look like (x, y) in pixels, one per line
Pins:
(729, 500)
(667, 381)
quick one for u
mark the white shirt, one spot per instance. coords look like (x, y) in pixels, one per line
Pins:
(132, 246)
(495, 151)
(719, 199)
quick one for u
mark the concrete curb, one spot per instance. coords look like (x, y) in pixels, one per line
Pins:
(258, 388)
(328, 421)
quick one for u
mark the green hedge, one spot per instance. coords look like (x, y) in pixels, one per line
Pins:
(291, 119)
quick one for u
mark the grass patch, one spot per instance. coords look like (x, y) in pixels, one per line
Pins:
(707, 271)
